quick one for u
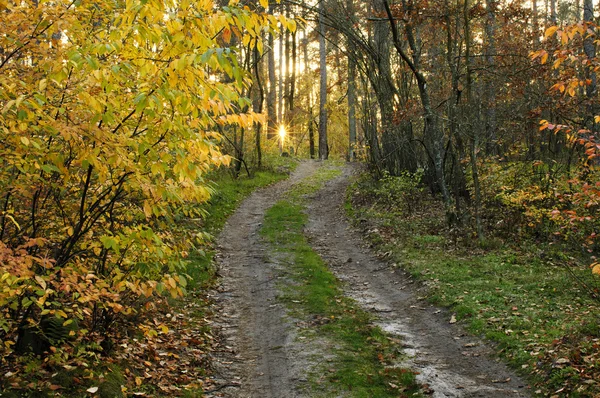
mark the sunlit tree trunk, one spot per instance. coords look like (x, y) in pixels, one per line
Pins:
(258, 101)
(280, 78)
(272, 94)
(287, 76)
(292, 91)
(323, 147)
(310, 124)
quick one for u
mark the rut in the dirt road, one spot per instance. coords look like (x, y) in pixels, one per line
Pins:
(261, 356)
(450, 362)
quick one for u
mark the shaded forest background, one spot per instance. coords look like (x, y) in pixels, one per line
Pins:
(492, 103)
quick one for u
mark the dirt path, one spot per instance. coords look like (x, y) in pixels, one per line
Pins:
(261, 355)
(451, 363)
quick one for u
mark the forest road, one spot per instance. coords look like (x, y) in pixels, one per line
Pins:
(261, 354)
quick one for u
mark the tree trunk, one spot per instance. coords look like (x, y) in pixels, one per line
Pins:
(474, 133)
(535, 23)
(397, 144)
(589, 48)
(432, 131)
(385, 90)
(310, 126)
(292, 90)
(456, 134)
(258, 101)
(272, 94)
(477, 188)
(281, 79)
(351, 87)
(287, 76)
(323, 148)
(490, 89)
(588, 45)
(369, 122)
(238, 150)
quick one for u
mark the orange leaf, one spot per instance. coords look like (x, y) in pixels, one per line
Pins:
(226, 35)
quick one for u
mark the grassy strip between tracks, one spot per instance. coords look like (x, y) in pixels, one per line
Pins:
(362, 356)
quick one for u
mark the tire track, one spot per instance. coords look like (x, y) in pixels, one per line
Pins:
(260, 355)
(450, 362)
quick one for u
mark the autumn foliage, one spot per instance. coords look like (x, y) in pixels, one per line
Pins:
(576, 196)
(108, 120)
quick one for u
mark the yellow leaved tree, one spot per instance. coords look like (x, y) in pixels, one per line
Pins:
(108, 120)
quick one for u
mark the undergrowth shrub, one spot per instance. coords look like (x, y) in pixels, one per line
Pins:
(399, 192)
(530, 200)
(513, 200)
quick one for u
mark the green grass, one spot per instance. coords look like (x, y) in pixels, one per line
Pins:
(363, 356)
(229, 192)
(327, 172)
(524, 302)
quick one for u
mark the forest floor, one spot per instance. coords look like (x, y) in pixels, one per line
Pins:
(278, 338)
